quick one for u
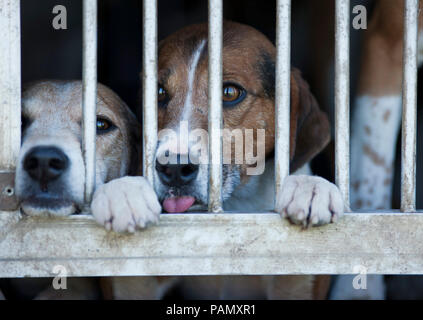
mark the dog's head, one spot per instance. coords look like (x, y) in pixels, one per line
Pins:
(181, 175)
(50, 173)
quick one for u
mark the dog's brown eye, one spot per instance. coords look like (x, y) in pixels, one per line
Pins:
(103, 125)
(232, 94)
(162, 97)
(161, 94)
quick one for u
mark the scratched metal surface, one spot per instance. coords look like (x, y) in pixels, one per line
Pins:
(89, 93)
(409, 101)
(200, 244)
(10, 98)
(149, 82)
(215, 105)
(342, 97)
(283, 92)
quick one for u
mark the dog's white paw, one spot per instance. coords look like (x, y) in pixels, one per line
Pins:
(310, 201)
(126, 203)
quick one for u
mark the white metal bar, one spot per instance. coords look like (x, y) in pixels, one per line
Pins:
(89, 92)
(342, 97)
(282, 93)
(264, 244)
(149, 87)
(10, 83)
(215, 104)
(409, 102)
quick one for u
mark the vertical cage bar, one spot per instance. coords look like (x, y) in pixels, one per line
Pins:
(10, 83)
(409, 102)
(10, 100)
(215, 104)
(342, 97)
(89, 92)
(283, 92)
(149, 87)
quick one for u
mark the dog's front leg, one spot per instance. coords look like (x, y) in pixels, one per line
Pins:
(309, 201)
(122, 205)
(125, 204)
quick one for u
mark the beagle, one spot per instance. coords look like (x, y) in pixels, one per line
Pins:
(376, 122)
(50, 169)
(180, 186)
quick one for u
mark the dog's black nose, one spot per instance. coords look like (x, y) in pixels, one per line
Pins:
(45, 164)
(175, 175)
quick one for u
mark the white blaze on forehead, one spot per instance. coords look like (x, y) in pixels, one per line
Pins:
(178, 140)
(186, 113)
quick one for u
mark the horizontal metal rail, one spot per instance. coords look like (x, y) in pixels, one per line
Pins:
(241, 244)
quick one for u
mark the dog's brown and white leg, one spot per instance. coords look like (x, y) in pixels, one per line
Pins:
(375, 125)
(377, 109)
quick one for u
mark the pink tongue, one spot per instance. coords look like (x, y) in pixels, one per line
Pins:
(178, 204)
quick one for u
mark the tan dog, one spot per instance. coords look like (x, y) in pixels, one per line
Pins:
(248, 102)
(50, 170)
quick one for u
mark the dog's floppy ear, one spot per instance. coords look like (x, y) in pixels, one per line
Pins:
(309, 126)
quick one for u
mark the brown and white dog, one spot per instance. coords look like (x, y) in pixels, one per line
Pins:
(50, 170)
(248, 102)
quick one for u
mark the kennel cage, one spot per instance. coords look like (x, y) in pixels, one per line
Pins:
(216, 242)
